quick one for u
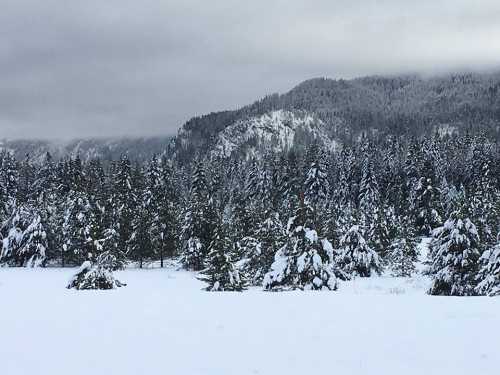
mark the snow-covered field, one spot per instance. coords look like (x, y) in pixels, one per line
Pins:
(162, 323)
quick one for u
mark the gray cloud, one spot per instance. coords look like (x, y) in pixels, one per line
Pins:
(119, 67)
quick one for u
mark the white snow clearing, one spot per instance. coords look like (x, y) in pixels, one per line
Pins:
(163, 323)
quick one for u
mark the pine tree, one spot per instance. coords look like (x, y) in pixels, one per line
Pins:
(49, 202)
(123, 202)
(356, 257)
(259, 251)
(197, 229)
(13, 233)
(77, 244)
(316, 185)
(455, 253)
(97, 275)
(290, 184)
(34, 244)
(161, 204)
(9, 184)
(424, 205)
(332, 221)
(403, 252)
(302, 263)
(140, 245)
(373, 220)
(483, 199)
(387, 230)
(110, 245)
(489, 274)
(221, 272)
(369, 196)
(242, 218)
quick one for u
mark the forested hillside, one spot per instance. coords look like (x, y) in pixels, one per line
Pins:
(381, 106)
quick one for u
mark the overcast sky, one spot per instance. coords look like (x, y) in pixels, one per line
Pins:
(143, 67)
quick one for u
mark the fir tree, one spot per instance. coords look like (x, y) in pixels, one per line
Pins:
(34, 244)
(489, 274)
(97, 275)
(123, 202)
(302, 263)
(140, 241)
(356, 257)
(9, 184)
(425, 204)
(403, 252)
(221, 272)
(259, 251)
(455, 254)
(316, 185)
(197, 229)
(13, 233)
(77, 242)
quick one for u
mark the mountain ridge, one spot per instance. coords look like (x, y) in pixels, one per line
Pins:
(408, 105)
(404, 105)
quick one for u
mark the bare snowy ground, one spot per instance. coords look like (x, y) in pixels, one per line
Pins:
(162, 323)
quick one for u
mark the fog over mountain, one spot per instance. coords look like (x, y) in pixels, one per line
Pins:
(127, 68)
(333, 112)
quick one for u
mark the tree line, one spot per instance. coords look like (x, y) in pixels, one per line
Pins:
(301, 219)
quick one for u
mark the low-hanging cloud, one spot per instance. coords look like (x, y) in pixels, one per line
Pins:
(119, 67)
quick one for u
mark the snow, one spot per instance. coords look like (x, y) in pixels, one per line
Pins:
(162, 322)
(275, 130)
(311, 235)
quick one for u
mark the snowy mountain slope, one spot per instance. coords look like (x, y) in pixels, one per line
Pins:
(273, 131)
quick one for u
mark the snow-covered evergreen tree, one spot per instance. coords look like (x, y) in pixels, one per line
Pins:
(424, 202)
(356, 257)
(197, 230)
(489, 274)
(483, 200)
(258, 252)
(110, 245)
(160, 198)
(13, 232)
(243, 218)
(76, 229)
(140, 245)
(9, 183)
(316, 185)
(123, 201)
(369, 197)
(34, 244)
(455, 253)
(402, 254)
(303, 262)
(96, 275)
(221, 272)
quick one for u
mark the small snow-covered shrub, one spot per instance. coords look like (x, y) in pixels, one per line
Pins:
(97, 276)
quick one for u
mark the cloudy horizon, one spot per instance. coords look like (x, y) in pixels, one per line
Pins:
(123, 68)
